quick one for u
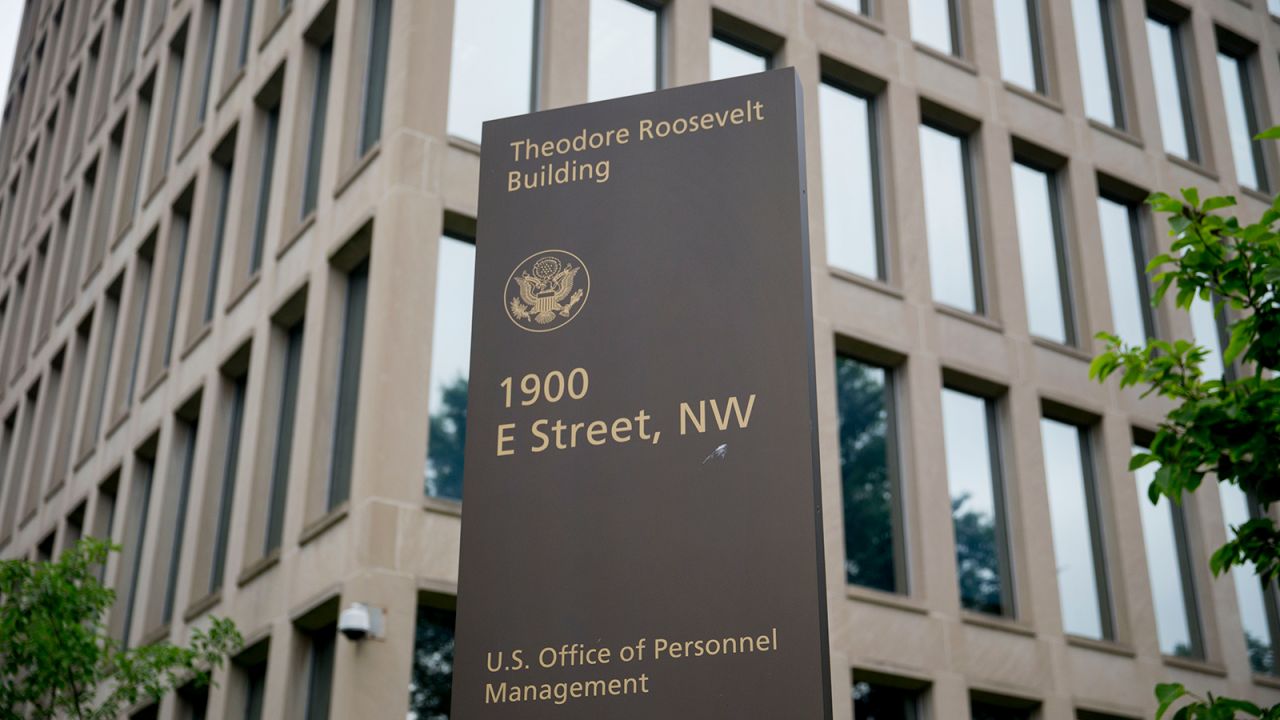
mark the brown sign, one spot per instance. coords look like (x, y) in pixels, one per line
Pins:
(642, 533)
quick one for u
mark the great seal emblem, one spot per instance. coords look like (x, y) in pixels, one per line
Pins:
(546, 290)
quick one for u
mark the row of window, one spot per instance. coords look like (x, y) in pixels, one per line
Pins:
(1100, 42)
(483, 55)
(494, 67)
(875, 533)
(187, 454)
(170, 110)
(179, 263)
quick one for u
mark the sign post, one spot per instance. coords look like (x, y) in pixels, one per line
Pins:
(642, 533)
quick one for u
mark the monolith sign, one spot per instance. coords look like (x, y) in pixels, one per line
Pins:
(642, 531)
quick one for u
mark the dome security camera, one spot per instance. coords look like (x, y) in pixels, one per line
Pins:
(360, 621)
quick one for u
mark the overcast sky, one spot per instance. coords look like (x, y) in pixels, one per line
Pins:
(10, 20)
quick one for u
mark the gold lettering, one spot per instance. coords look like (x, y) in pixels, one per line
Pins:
(537, 432)
(505, 437)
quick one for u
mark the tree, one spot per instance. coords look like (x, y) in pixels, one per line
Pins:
(1226, 428)
(447, 442)
(977, 560)
(864, 470)
(57, 659)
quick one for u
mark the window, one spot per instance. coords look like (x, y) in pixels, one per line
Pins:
(1274, 7)
(135, 530)
(977, 502)
(623, 53)
(193, 702)
(375, 75)
(450, 363)
(1242, 105)
(431, 678)
(129, 51)
(270, 128)
(1096, 32)
(877, 701)
(78, 261)
(17, 344)
(21, 451)
(1045, 275)
(84, 96)
(110, 44)
(858, 7)
(172, 99)
(1076, 529)
(731, 58)
(873, 535)
(995, 710)
(104, 512)
(849, 136)
(282, 450)
(177, 495)
(492, 71)
(936, 23)
(319, 673)
(58, 257)
(249, 687)
(1258, 607)
(139, 297)
(1164, 531)
(44, 550)
(950, 219)
(348, 385)
(101, 368)
(209, 44)
(1209, 333)
(245, 23)
(130, 193)
(175, 263)
(8, 492)
(205, 294)
(315, 136)
(1124, 251)
(1169, 64)
(230, 432)
(78, 356)
(75, 526)
(1019, 39)
(52, 395)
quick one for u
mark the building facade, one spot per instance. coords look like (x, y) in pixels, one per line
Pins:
(236, 244)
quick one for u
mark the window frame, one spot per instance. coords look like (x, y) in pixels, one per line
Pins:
(1245, 55)
(1176, 19)
(460, 230)
(1054, 170)
(1088, 441)
(871, 91)
(1037, 30)
(993, 411)
(1141, 240)
(659, 10)
(891, 366)
(968, 132)
(956, 27)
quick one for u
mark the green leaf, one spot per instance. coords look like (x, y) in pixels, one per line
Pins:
(1217, 203)
(1159, 260)
(1239, 706)
(1166, 695)
(1271, 134)
(1221, 559)
(1241, 334)
(1192, 196)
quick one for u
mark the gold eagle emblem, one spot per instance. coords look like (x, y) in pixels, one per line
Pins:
(550, 289)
